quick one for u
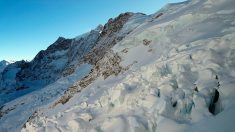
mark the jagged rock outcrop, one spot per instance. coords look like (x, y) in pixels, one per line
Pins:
(179, 70)
(65, 55)
(58, 60)
(38, 69)
(107, 66)
(105, 62)
(110, 35)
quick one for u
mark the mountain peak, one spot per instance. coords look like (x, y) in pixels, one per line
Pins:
(172, 68)
(3, 61)
(60, 39)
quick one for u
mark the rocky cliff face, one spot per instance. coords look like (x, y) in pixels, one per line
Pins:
(48, 64)
(110, 35)
(169, 71)
(63, 57)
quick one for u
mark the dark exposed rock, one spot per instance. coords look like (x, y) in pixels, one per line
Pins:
(41, 63)
(108, 38)
(146, 42)
(115, 25)
(22, 87)
(150, 50)
(107, 66)
(4, 111)
(105, 62)
(157, 16)
(125, 50)
(35, 114)
(60, 44)
(70, 53)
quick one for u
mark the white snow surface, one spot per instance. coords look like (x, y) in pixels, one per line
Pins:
(168, 88)
(25, 106)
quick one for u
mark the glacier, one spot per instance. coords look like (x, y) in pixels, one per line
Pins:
(171, 71)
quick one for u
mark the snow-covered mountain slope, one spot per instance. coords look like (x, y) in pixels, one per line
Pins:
(61, 59)
(48, 66)
(55, 70)
(170, 71)
(3, 65)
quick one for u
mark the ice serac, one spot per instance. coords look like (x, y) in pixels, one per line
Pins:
(171, 71)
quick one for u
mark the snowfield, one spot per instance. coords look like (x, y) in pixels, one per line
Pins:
(180, 76)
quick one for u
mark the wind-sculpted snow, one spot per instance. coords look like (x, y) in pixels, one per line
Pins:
(171, 71)
(176, 91)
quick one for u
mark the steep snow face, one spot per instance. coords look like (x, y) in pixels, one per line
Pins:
(181, 75)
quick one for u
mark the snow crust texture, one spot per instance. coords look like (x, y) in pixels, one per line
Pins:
(171, 71)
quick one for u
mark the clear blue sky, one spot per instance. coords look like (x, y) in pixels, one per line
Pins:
(28, 26)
